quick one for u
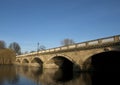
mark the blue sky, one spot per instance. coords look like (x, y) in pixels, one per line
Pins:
(28, 22)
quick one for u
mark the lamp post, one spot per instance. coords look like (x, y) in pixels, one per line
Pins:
(37, 47)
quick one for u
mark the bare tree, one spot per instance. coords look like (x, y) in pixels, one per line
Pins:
(2, 44)
(42, 47)
(32, 51)
(26, 52)
(15, 47)
(67, 41)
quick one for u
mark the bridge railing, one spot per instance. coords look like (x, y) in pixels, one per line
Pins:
(112, 39)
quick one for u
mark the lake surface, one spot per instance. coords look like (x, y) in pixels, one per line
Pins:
(18, 75)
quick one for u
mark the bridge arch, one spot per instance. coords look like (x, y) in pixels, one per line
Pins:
(61, 55)
(37, 62)
(25, 61)
(61, 61)
(108, 60)
(18, 61)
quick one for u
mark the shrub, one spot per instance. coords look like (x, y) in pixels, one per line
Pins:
(7, 56)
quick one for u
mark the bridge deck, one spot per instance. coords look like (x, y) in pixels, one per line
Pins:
(102, 42)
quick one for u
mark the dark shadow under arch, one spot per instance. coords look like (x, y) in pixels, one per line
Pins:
(65, 71)
(18, 61)
(62, 62)
(106, 61)
(106, 68)
(37, 60)
(25, 61)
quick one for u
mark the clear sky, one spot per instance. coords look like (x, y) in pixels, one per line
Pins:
(28, 22)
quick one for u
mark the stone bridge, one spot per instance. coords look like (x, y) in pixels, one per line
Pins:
(75, 56)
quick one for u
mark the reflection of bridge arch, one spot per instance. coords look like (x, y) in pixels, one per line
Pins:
(37, 62)
(25, 61)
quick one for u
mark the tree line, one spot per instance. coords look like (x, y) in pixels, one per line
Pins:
(8, 54)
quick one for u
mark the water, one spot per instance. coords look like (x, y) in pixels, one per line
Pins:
(18, 75)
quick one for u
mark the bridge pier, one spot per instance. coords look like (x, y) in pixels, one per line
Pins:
(82, 68)
(76, 68)
(52, 65)
(35, 64)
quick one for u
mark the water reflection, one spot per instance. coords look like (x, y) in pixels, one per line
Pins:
(8, 75)
(12, 75)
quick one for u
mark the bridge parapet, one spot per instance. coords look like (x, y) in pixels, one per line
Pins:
(97, 42)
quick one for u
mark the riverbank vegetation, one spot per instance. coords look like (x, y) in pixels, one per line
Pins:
(8, 55)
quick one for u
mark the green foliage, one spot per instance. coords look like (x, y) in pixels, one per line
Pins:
(7, 56)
